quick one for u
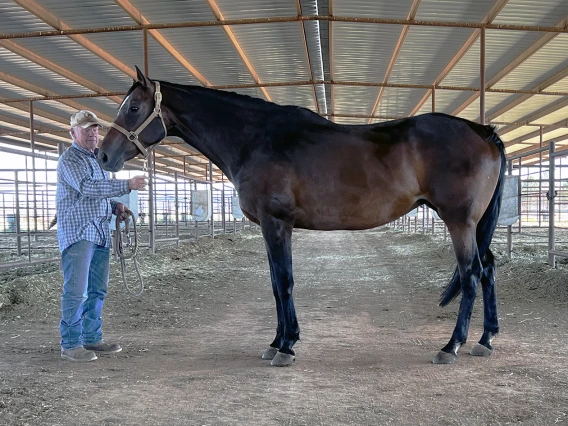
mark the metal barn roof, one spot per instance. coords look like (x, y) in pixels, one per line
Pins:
(353, 61)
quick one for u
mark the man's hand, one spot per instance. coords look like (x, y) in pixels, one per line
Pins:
(122, 212)
(137, 183)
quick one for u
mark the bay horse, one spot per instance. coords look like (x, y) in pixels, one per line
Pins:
(295, 169)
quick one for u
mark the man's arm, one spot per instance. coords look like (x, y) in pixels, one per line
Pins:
(76, 174)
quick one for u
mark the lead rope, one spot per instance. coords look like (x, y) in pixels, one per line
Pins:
(127, 251)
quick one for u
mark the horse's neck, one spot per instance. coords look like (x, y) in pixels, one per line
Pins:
(220, 128)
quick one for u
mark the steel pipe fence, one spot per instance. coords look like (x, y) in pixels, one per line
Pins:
(27, 196)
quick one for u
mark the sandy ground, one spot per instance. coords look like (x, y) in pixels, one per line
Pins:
(367, 306)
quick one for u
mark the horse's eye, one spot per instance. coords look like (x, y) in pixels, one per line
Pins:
(133, 109)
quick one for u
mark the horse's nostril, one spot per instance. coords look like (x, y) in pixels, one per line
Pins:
(104, 157)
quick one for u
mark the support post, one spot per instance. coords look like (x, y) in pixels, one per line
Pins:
(176, 206)
(551, 206)
(482, 77)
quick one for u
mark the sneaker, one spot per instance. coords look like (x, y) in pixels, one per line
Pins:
(78, 354)
(103, 347)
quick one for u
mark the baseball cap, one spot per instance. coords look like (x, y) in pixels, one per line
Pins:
(85, 119)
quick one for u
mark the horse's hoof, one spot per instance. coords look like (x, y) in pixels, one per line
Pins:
(270, 353)
(480, 350)
(444, 358)
(282, 360)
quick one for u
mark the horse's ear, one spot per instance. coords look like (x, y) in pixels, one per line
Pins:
(145, 81)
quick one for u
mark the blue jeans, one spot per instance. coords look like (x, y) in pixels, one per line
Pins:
(85, 267)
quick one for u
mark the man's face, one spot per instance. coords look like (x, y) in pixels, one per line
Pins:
(87, 138)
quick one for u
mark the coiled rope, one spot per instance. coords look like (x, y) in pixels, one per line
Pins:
(126, 248)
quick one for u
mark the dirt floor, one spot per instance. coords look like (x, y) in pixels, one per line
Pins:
(367, 306)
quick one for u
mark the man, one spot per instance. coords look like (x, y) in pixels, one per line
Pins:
(84, 211)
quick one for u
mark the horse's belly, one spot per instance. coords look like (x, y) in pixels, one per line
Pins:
(350, 213)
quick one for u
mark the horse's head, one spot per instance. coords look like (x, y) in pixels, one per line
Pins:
(138, 125)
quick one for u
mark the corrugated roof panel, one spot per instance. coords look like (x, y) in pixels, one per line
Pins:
(492, 100)
(445, 101)
(548, 136)
(530, 106)
(516, 133)
(501, 48)
(207, 49)
(372, 9)
(56, 108)
(352, 100)
(549, 60)
(87, 13)
(276, 51)
(29, 71)
(15, 19)
(517, 147)
(426, 52)
(10, 91)
(471, 112)
(533, 12)
(102, 109)
(125, 47)
(559, 86)
(427, 105)
(453, 10)
(362, 52)
(76, 59)
(555, 117)
(246, 9)
(399, 102)
(168, 11)
(506, 99)
(9, 111)
(11, 128)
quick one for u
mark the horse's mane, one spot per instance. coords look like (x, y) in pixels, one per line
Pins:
(237, 98)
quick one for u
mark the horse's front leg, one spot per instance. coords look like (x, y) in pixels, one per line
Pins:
(278, 238)
(276, 344)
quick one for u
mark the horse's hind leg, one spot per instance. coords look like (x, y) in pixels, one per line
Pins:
(278, 238)
(490, 318)
(470, 269)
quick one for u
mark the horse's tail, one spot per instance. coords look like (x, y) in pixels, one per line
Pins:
(488, 223)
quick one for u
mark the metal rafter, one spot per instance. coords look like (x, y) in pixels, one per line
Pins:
(397, 50)
(274, 20)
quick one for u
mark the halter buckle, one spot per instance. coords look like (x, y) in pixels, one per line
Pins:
(132, 136)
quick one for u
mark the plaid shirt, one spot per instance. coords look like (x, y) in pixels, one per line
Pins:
(84, 208)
